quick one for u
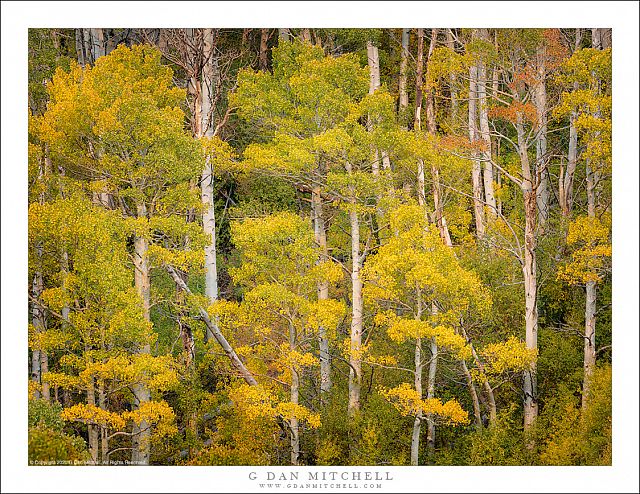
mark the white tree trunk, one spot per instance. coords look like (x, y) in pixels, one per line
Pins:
(489, 195)
(142, 435)
(355, 359)
(417, 120)
(295, 391)
(431, 388)
(403, 96)
(209, 73)
(450, 43)
(530, 278)
(415, 435)
(320, 235)
(540, 102)
(476, 170)
(566, 196)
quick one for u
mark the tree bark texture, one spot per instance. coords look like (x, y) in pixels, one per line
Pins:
(320, 236)
(476, 169)
(355, 359)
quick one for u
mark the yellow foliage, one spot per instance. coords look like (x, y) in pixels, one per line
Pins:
(589, 239)
(409, 403)
(509, 356)
(91, 414)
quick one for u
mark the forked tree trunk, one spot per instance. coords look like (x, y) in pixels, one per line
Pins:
(440, 220)
(474, 394)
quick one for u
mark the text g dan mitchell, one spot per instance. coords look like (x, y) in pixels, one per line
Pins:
(323, 476)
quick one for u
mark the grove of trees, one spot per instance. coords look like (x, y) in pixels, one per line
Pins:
(320, 246)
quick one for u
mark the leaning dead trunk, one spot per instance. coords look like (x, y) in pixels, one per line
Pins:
(219, 337)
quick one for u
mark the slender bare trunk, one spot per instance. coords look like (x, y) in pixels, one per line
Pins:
(141, 434)
(493, 413)
(403, 96)
(476, 171)
(415, 435)
(431, 387)
(530, 281)
(449, 42)
(209, 73)
(320, 235)
(601, 40)
(430, 105)
(483, 113)
(264, 54)
(38, 321)
(92, 428)
(355, 359)
(104, 440)
(540, 102)
(566, 198)
(589, 340)
(417, 423)
(295, 391)
(473, 393)
(419, 82)
(441, 222)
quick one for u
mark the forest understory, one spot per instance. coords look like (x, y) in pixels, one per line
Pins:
(320, 246)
